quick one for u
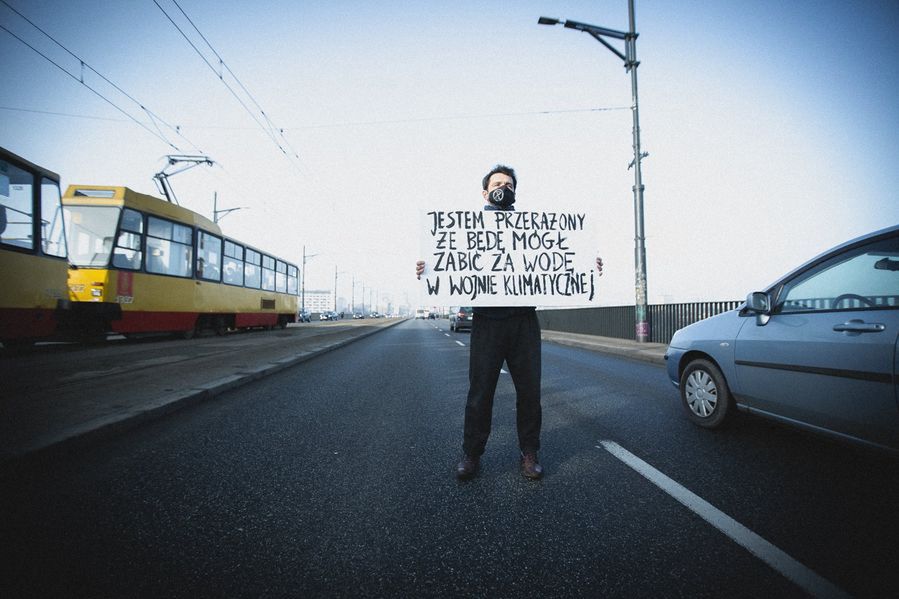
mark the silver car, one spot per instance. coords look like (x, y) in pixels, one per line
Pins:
(461, 318)
(818, 349)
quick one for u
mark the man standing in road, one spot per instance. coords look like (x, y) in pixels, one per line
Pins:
(502, 334)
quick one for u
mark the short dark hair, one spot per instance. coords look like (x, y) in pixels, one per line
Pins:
(500, 168)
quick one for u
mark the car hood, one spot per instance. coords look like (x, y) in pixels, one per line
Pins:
(714, 330)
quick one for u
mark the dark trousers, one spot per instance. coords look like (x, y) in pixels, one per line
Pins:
(516, 341)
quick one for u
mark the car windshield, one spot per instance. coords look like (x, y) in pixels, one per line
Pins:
(90, 231)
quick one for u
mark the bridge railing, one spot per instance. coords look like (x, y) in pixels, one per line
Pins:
(618, 321)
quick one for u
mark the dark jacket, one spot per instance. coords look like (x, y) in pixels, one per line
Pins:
(501, 311)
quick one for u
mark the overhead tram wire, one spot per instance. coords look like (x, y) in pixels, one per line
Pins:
(101, 96)
(458, 117)
(155, 119)
(66, 114)
(349, 123)
(265, 130)
(224, 65)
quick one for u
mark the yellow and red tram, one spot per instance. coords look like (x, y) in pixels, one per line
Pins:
(33, 266)
(140, 264)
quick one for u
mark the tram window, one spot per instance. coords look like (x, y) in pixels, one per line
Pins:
(209, 256)
(90, 231)
(53, 233)
(268, 273)
(132, 220)
(292, 279)
(169, 248)
(232, 271)
(128, 259)
(233, 250)
(233, 267)
(252, 269)
(95, 193)
(16, 192)
(127, 253)
(281, 277)
(157, 227)
(182, 234)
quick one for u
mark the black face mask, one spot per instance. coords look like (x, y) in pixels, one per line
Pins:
(501, 197)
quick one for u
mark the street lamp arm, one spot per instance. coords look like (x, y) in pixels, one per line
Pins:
(612, 48)
(595, 30)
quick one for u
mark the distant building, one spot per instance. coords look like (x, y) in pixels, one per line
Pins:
(318, 300)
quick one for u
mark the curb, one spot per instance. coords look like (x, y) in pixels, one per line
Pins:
(654, 354)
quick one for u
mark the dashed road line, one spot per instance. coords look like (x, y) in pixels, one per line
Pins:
(776, 558)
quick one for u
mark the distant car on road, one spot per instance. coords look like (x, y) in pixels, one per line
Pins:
(358, 315)
(328, 315)
(460, 319)
(816, 350)
(304, 316)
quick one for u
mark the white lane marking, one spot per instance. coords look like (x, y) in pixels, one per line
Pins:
(447, 334)
(801, 575)
(460, 343)
(503, 370)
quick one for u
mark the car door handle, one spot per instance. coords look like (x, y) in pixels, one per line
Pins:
(859, 326)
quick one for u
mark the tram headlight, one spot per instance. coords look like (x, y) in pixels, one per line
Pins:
(97, 292)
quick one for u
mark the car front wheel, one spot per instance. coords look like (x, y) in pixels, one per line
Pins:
(705, 395)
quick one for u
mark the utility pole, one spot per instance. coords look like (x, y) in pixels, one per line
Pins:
(335, 285)
(631, 64)
(303, 281)
(641, 325)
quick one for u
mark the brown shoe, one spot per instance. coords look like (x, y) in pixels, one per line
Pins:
(530, 467)
(468, 467)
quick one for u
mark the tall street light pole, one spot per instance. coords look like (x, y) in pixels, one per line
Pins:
(342, 272)
(641, 328)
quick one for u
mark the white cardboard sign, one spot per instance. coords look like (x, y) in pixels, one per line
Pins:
(508, 258)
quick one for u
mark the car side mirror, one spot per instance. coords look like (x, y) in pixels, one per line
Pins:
(759, 303)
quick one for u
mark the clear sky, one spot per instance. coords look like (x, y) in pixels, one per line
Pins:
(771, 126)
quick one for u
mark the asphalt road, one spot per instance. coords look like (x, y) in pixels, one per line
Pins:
(335, 478)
